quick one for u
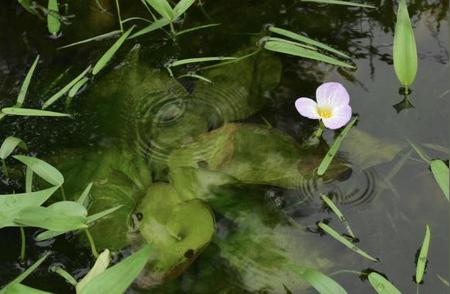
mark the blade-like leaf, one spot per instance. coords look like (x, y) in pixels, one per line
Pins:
(42, 169)
(27, 5)
(26, 82)
(405, 51)
(181, 7)
(101, 37)
(422, 260)
(8, 146)
(97, 216)
(441, 175)
(291, 49)
(53, 23)
(338, 213)
(381, 285)
(74, 90)
(163, 8)
(108, 55)
(322, 283)
(99, 267)
(199, 59)
(32, 112)
(27, 272)
(306, 40)
(84, 200)
(22, 289)
(338, 2)
(160, 23)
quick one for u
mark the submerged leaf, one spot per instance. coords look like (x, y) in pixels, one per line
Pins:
(31, 112)
(26, 83)
(441, 175)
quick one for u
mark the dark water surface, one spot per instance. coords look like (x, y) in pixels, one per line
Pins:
(387, 207)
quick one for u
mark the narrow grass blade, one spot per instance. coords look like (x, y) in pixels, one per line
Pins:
(195, 76)
(53, 23)
(289, 42)
(22, 289)
(101, 264)
(163, 8)
(65, 89)
(116, 279)
(345, 241)
(103, 61)
(334, 148)
(306, 40)
(443, 280)
(26, 82)
(160, 23)
(29, 180)
(381, 285)
(441, 175)
(419, 152)
(27, 5)
(31, 112)
(84, 198)
(28, 271)
(338, 213)
(405, 51)
(42, 169)
(198, 60)
(286, 48)
(182, 7)
(95, 38)
(74, 90)
(197, 28)
(319, 281)
(92, 218)
(338, 2)
(8, 146)
(422, 260)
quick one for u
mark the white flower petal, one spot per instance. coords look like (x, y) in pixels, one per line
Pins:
(341, 116)
(332, 94)
(307, 108)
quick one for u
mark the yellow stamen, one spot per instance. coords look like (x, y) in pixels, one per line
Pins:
(325, 112)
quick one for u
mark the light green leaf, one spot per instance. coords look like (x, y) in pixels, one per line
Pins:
(116, 279)
(53, 23)
(74, 90)
(97, 216)
(441, 175)
(306, 40)
(182, 6)
(108, 55)
(405, 51)
(197, 28)
(345, 241)
(27, 5)
(31, 112)
(199, 59)
(163, 8)
(160, 23)
(338, 2)
(22, 289)
(338, 213)
(26, 83)
(84, 200)
(8, 146)
(42, 169)
(422, 260)
(381, 285)
(334, 148)
(297, 50)
(95, 38)
(322, 283)
(99, 267)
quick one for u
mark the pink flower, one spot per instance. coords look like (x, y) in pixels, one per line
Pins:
(332, 106)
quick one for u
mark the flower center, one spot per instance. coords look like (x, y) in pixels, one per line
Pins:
(324, 112)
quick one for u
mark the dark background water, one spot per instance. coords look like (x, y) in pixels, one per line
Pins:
(389, 222)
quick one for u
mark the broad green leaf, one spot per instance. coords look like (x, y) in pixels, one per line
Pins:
(116, 279)
(163, 8)
(31, 112)
(160, 23)
(322, 283)
(95, 38)
(26, 83)
(405, 51)
(381, 285)
(53, 23)
(181, 7)
(108, 55)
(199, 59)
(291, 49)
(42, 169)
(422, 260)
(102, 262)
(441, 175)
(338, 213)
(306, 40)
(8, 146)
(334, 148)
(338, 2)
(345, 241)
(65, 89)
(11, 205)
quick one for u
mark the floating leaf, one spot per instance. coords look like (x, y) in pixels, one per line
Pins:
(31, 112)
(116, 279)
(405, 51)
(338, 213)
(322, 283)
(422, 260)
(42, 169)
(381, 285)
(338, 2)
(99, 267)
(26, 83)
(441, 175)
(8, 146)
(334, 148)
(108, 55)
(345, 241)
(53, 23)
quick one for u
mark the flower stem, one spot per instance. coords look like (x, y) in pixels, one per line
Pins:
(318, 133)
(22, 246)
(91, 242)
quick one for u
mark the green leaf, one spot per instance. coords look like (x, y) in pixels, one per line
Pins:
(32, 112)
(405, 51)
(74, 90)
(95, 38)
(102, 262)
(306, 40)
(26, 83)
(27, 5)
(199, 59)
(182, 6)
(116, 279)
(334, 148)
(108, 55)
(42, 169)
(297, 50)
(441, 175)
(345, 241)
(197, 28)
(338, 2)
(322, 283)
(53, 23)
(11, 205)
(160, 23)
(65, 89)
(422, 260)
(338, 213)
(97, 216)
(84, 200)
(163, 8)
(381, 285)
(22, 289)
(8, 146)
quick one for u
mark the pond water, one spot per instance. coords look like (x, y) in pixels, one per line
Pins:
(267, 219)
